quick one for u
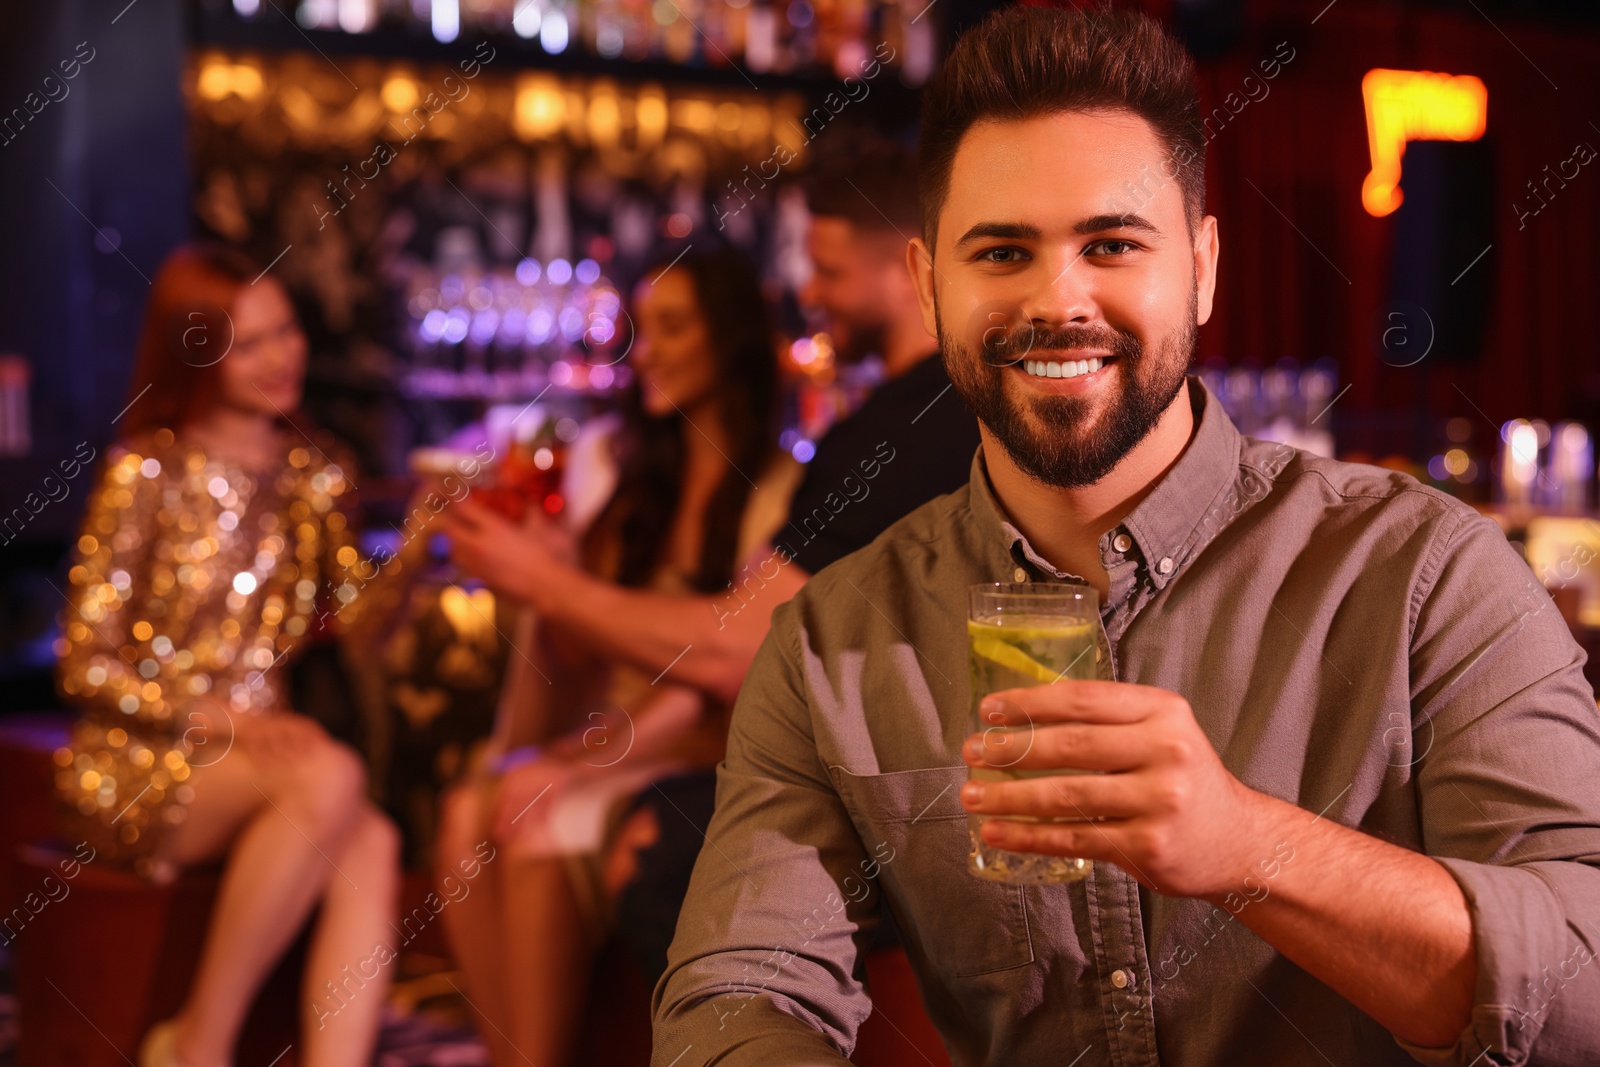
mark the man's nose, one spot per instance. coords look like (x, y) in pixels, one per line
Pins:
(1061, 293)
(807, 294)
(639, 351)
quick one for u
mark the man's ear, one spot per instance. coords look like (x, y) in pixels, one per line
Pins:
(900, 285)
(1205, 267)
(919, 263)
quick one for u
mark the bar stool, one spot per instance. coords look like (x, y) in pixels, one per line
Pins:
(102, 955)
(115, 954)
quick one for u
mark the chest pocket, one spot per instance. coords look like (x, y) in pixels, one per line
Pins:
(962, 925)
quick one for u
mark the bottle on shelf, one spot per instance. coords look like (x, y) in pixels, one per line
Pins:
(1570, 471)
(816, 37)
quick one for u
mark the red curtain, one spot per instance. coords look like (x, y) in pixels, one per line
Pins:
(1304, 268)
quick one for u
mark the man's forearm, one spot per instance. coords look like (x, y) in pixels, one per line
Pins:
(1387, 928)
(706, 642)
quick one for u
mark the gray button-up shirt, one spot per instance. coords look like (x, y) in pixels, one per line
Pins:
(1350, 641)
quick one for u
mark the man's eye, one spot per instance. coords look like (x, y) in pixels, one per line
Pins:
(1003, 255)
(1112, 247)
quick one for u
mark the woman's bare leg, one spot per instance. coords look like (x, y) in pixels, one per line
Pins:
(549, 958)
(353, 951)
(473, 923)
(278, 866)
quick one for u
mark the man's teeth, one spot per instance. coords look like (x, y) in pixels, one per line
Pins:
(1071, 368)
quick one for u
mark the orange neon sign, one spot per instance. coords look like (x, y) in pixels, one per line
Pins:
(1414, 105)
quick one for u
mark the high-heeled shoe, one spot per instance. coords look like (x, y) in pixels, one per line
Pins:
(160, 1046)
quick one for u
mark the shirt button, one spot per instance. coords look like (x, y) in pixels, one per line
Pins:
(1120, 979)
(1165, 566)
(1122, 542)
(1019, 575)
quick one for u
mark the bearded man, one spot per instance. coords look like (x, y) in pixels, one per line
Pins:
(1342, 808)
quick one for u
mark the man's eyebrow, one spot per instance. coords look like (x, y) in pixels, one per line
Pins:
(1020, 231)
(1013, 230)
(1098, 223)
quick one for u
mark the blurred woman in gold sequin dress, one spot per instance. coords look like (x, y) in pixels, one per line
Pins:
(216, 544)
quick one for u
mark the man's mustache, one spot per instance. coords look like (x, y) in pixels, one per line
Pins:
(1009, 346)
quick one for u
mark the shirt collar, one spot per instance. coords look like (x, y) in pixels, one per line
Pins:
(1169, 526)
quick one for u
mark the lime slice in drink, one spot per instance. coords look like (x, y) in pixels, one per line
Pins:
(1011, 657)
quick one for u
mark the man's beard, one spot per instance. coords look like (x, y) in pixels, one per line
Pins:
(855, 341)
(1057, 445)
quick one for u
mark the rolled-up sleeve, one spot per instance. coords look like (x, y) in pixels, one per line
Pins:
(1507, 739)
(767, 965)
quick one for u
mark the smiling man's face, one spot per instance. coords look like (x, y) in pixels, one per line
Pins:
(1065, 287)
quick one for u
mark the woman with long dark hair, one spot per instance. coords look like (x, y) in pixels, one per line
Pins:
(700, 483)
(216, 545)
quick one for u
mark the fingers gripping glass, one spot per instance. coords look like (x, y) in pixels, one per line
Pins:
(1019, 636)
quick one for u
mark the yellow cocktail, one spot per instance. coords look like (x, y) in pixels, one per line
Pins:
(1020, 636)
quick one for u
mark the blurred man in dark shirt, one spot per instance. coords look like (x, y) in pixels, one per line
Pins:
(863, 213)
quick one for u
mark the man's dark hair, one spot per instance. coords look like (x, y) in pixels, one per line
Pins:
(1024, 62)
(868, 180)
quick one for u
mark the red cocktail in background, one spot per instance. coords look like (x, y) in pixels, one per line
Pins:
(528, 476)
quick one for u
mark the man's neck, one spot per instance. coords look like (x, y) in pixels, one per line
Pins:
(1064, 525)
(905, 344)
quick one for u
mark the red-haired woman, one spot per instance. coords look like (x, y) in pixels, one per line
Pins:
(215, 545)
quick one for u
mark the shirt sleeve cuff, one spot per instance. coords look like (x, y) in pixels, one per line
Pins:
(1467, 1049)
(1520, 934)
